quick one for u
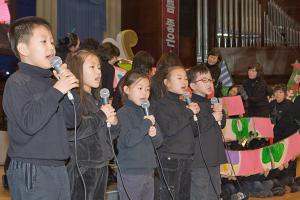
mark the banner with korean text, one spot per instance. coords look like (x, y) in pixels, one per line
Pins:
(170, 26)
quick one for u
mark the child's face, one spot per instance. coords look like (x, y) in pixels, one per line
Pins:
(139, 91)
(279, 95)
(212, 60)
(39, 49)
(91, 73)
(203, 84)
(177, 81)
(233, 92)
(252, 73)
(113, 60)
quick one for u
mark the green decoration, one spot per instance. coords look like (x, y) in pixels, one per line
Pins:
(244, 132)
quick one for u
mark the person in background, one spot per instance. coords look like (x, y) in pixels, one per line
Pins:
(108, 56)
(213, 63)
(257, 92)
(70, 43)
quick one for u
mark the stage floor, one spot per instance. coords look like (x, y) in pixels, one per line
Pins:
(4, 195)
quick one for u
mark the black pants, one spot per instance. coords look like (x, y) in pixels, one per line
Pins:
(178, 176)
(95, 180)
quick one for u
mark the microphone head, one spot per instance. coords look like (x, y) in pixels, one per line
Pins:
(187, 97)
(56, 62)
(104, 93)
(145, 104)
(214, 100)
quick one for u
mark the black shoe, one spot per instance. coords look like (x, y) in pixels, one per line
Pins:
(5, 182)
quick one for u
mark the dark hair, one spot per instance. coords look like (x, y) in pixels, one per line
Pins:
(234, 86)
(90, 44)
(201, 69)
(107, 51)
(75, 62)
(280, 87)
(165, 74)
(143, 61)
(167, 60)
(214, 52)
(70, 40)
(258, 67)
(130, 78)
(22, 29)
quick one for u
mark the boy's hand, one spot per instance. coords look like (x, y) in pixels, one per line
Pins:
(152, 131)
(218, 116)
(151, 118)
(194, 107)
(66, 81)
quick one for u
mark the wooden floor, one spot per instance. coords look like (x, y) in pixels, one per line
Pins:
(4, 195)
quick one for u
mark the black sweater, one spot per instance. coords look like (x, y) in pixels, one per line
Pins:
(136, 152)
(177, 127)
(257, 91)
(210, 136)
(289, 123)
(277, 110)
(38, 117)
(93, 141)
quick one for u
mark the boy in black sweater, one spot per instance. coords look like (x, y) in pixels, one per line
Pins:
(282, 115)
(209, 148)
(38, 114)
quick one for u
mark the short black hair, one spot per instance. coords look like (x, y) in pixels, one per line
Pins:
(107, 51)
(200, 68)
(21, 31)
(280, 87)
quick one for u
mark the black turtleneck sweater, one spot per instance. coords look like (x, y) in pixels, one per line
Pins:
(136, 151)
(38, 116)
(210, 136)
(177, 126)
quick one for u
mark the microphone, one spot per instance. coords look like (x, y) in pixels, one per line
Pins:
(56, 63)
(213, 101)
(146, 104)
(188, 100)
(104, 94)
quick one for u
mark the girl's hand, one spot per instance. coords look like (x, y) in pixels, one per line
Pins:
(194, 107)
(108, 110)
(113, 120)
(218, 116)
(152, 131)
(151, 118)
(218, 107)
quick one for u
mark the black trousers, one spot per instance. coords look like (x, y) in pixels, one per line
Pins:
(95, 181)
(178, 176)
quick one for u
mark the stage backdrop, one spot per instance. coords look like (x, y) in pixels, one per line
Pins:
(85, 18)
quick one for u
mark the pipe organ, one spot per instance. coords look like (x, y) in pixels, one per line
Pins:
(246, 23)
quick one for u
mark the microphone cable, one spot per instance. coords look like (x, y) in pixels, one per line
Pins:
(243, 196)
(205, 163)
(161, 170)
(117, 162)
(75, 148)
